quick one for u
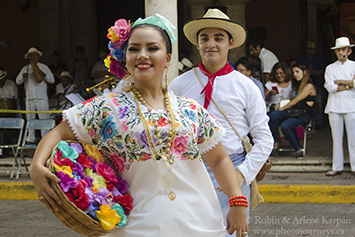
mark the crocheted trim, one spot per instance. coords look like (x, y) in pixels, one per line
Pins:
(70, 122)
(213, 142)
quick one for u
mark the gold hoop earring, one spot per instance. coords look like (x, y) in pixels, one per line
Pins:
(127, 84)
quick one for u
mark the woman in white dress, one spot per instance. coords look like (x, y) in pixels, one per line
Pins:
(155, 140)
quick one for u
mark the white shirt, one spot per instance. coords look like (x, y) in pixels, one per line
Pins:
(241, 101)
(9, 90)
(341, 101)
(33, 89)
(284, 93)
(267, 60)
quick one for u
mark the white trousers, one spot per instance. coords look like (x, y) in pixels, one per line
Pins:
(36, 105)
(337, 122)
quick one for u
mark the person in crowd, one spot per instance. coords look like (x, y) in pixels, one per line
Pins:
(315, 64)
(292, 62)
(35, 76)
(339, 82)
(80, 68)
(157, 140)
(8, 88)
(65, 87)
(303, 99)
(279, 87)
(245, 67)
(99, 70)
(240, 100)
(57, 66)
(267, 58)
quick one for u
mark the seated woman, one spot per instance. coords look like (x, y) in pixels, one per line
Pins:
(279, 86)
(303, 97)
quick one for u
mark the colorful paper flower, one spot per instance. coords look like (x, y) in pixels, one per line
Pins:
(66, 182)
(65, 169)
(125, 201)
(94, 153)
(79, 197)
(84, 161)
(122, 29)
(107, 172)
(62, 161)
(98, 180)
(107, 217)
(119, 210)
(68, 152)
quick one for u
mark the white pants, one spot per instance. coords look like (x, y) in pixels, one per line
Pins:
(337, 122)
(36, 105)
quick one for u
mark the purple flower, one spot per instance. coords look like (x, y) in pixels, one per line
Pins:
(122, 186)
(66, 182)
(92, 210)
(142, 139)
(122, 112)
(77, 147)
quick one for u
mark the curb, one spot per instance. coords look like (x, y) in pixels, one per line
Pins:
(305, 193)
(272, 193)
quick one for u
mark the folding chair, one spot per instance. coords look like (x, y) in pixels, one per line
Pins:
(35, 124)
(307, 128)
(13, 124)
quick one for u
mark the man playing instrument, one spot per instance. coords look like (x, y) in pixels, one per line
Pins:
(35, 75)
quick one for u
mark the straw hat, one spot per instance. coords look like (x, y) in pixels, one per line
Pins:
(33, 50)
(65, 74)
(3, 74)
(214, 18)
(342, 42)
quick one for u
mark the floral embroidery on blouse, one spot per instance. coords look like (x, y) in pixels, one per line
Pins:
(111, 121)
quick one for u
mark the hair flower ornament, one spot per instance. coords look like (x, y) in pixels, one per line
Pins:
(118, 36)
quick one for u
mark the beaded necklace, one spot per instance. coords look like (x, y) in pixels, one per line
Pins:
(165, 155)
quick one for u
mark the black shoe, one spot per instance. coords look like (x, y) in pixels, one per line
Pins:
(274, 152)
(299, 155)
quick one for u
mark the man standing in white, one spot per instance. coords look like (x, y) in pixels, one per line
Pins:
(339, 81)
(267, 58)
(35, 75)
(238, 97)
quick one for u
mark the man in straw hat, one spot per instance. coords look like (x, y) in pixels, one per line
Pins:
(238, 97)
(8, 88)
(35, 76)
(339, 81)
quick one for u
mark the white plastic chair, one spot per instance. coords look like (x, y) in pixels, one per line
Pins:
(13, 124)
(35, 124)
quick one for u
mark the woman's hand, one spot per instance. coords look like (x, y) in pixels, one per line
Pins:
(41, 177)
(277, 107)
(237, 221)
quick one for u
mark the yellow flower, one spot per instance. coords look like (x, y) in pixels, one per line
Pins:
(65, 169)
(98, 180)
(107, 217)
(94, 153)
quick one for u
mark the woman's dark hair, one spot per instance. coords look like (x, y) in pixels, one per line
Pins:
(245, 62)
(162, 32)
(285, 68)
(299, 85)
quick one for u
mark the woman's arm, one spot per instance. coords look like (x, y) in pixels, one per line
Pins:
(223, 169)
(304, 93)
(40, 175)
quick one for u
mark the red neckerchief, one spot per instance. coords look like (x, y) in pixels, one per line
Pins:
(209, 86)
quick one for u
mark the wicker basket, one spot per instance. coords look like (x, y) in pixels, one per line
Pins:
(70, 215)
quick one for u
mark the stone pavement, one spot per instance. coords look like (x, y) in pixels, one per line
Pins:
(27, 218)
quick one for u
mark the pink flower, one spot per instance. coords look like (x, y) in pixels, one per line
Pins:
(117, 69)
(107, 172)
(124, 126)
(180, 144)
(91, 132)
(117, 162)
(122, 29)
